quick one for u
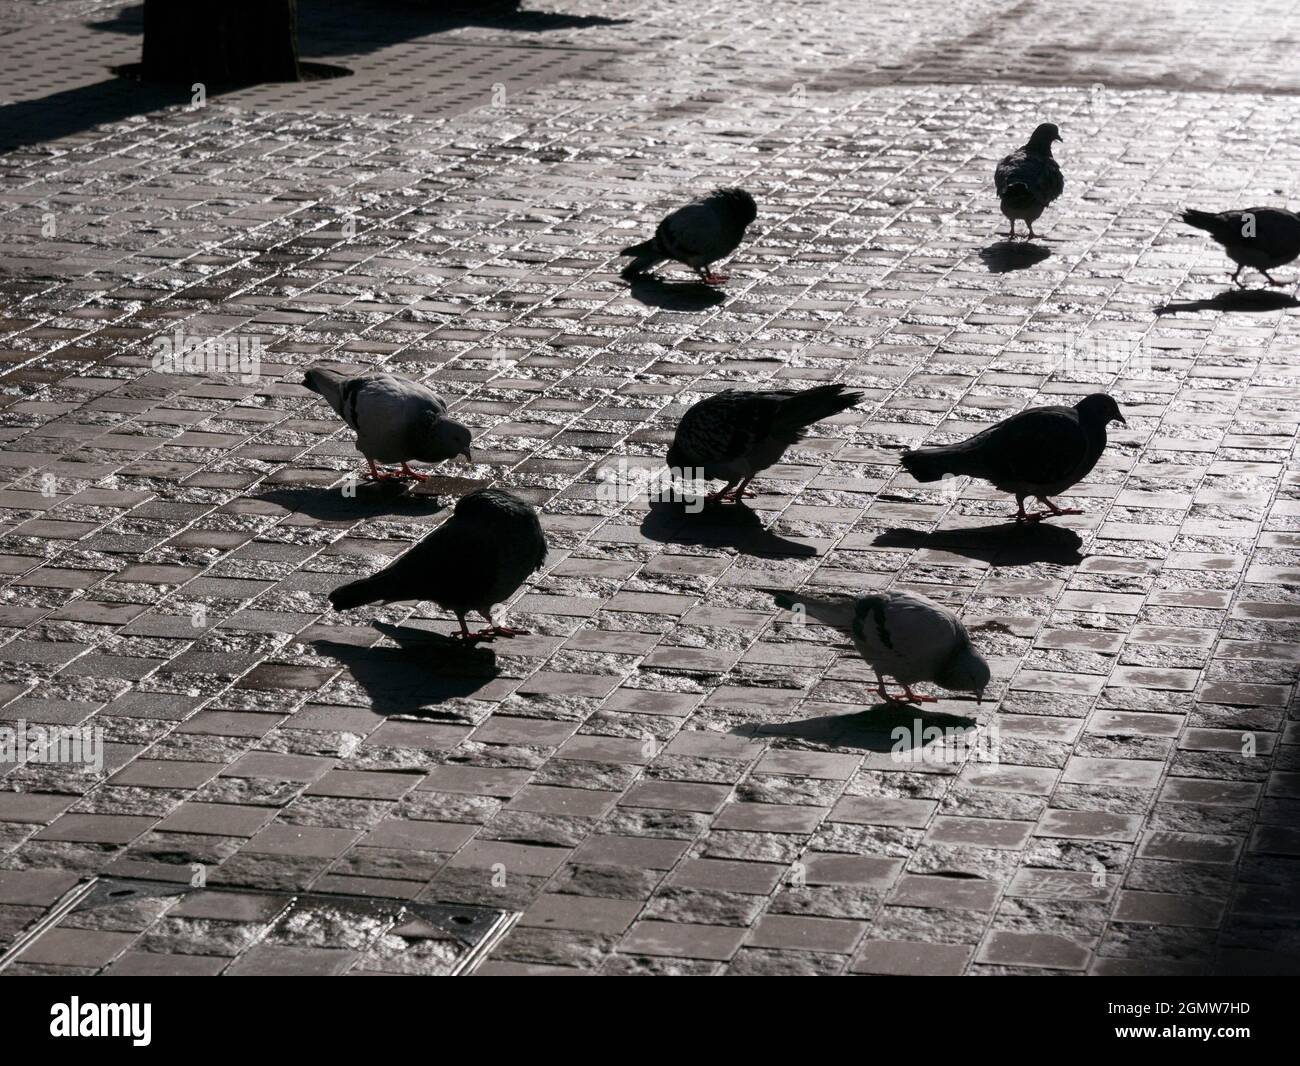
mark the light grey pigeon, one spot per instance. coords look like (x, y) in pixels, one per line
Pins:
(397, 420)
(1040, 452)
(736, 434)
(1259, 237)
(476, 559)
(902, 634)
(1029, 179)
(699, 234)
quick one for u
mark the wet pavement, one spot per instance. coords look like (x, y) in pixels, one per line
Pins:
(666, 776)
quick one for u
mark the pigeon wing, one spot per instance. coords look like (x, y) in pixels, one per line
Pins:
(1042, 446)
(387, 411)
(694, 234)
(904, 635)
(727, 425)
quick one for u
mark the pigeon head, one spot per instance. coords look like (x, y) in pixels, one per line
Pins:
(444, 439)
(1100, 409)
(1043, 136)
(965, 671)
(739, 204)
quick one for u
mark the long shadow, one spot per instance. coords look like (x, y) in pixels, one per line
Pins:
(351, 27)
(674, 295)
(886, 727)
(719, 526)
(62, 114)
(1249, 301)
(1006, 256)
(425, 671)
(1007, 544)
(325, 28)
(330, 505)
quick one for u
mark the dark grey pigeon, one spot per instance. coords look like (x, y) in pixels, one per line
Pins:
(1261, 238)
(734, 435)
(900, 634)
(396, 420)
(1029, 179)
(476, 559)
(1041, 452)
(699, 234)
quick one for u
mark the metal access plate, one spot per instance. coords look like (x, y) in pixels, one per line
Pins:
(354, 934)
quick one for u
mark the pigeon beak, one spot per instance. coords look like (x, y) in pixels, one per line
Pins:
(979, 696)
(1058, 137)
(1122, 420)
(466, 456)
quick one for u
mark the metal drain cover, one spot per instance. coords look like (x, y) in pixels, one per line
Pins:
(280, 933)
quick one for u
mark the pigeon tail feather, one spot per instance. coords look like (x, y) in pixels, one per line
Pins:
(812, 405)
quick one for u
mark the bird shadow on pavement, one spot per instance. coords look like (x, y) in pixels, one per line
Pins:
(719, 526)
(1007, 544)
(1250, 301)
(371, 499)
(674, 295)
(1003, 257)
(425, 670)
(884, 727)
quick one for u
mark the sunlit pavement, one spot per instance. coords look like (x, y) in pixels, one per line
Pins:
(666, 776)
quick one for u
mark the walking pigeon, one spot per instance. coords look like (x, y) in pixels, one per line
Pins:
(735, 435)
(902, 634)
(396, 419)
(476, 559)
(1259, 237)
(702, 232)
(1041, 452)
(1028, 179)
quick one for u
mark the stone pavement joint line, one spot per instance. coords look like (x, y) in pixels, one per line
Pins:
(666, 776)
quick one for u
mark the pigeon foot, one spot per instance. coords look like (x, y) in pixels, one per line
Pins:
(408, 472)
(710, 278)
(500, 631)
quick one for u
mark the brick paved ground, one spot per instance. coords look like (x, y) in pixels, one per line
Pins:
(666, 777)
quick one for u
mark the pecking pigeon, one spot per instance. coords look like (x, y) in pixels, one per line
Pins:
(901, 634)
(473, 561)
(1028, 179)
(1259, 237)
(735, 435)
(1040, 452)
(699, 234)
(396, 419)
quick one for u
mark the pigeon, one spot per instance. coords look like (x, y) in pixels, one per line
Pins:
(396, 420)
(702, 232)
(1028, 179)
(476, 559)
(1259, 237)
(737, 434)
(1041, 452)
(902, 634)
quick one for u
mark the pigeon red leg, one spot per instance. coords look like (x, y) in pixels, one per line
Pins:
(741, 492)
(1236, 277)
(408, 472)
(380, 475)
(710, 278)
(466, 635)
(1032, 235)
(912, 697)
(1022, 515)
(1056, 512)
(723, 493)
(1278, 284)
(494, 630)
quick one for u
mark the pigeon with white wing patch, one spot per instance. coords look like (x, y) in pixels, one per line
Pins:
(396, 420)
(900, 634)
